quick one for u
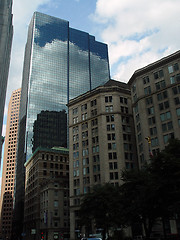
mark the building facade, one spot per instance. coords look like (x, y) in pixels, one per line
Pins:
(46, 208)
(60, 63)
(155, 91)
(9, 165)
(101, 142)
(6, 33)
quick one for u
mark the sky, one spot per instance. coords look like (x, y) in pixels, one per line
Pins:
(138, 32)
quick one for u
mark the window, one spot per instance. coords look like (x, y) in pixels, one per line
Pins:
(75, 111)
(135, 97)
(175, 78)
(167, 137)
(160, 85)
(162, 95)
(154, 142)
(177, 100)
(111, 136)
(176, 90)
(153, 131)
(149, 100)
(147, 90)
(170, 69)
(151, 121)
(93, 112)
(84, 126)
(94, 122)
(85, 134)
(111, 146)
(150, 110)
(123, 100)
(146, 79)
(112, 155)
(124, 109)
(113, 165)
(136, 108)
(75, 129)
(55, 203)
(110, 118)
(139, 137)
(165, 116)
(125, 119)
(158, 74)
(178, 111)
(84, 107)
(75, 120)
(176, 67)
(134, 87)
(108, 99)
(94, 131)
(167, 126)
(173, 68)
(110, 127)
(163, 105)
(84, 116)
(93, 103)
(109, 108)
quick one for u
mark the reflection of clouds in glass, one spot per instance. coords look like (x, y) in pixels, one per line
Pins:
(48, 79)
(99, 71)
(79, 75)
(49, 28)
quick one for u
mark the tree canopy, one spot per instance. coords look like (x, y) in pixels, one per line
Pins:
(145, 195)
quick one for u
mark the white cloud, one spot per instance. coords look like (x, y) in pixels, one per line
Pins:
(138, 31)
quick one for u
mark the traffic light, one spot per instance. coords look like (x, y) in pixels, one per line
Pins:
(42, 235)
(148, 139)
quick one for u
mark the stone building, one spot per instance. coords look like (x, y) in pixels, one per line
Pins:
(46, 211)
(101, 141)
(155, 91)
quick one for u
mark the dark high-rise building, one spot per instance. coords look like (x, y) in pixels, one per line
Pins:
(60, 63)
(6, 33)
(50, 129)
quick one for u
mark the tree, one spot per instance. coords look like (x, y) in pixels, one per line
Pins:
(153, 192)
(165, 169)
(101, 207)
(138, 198)
(145, 196)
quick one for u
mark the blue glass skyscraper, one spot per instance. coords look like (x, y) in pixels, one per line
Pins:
(60, 63)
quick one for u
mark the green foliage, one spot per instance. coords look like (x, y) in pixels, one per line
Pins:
(146, 195)
(101, 206)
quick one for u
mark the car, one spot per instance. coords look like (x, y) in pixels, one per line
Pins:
(91, 238)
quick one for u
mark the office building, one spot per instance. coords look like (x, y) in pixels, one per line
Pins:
(60, 63)
(101, 141)
(9, 165)
(155, 91)
(1, 145)
(6, 33)
(46, 208)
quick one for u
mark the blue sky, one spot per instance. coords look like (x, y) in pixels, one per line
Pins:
(137, 32)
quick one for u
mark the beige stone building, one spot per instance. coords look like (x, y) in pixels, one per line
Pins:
(101, 142)
(46, 211)
(9, 164)
(155, 91)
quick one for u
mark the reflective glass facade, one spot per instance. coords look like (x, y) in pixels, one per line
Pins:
(60, 63)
